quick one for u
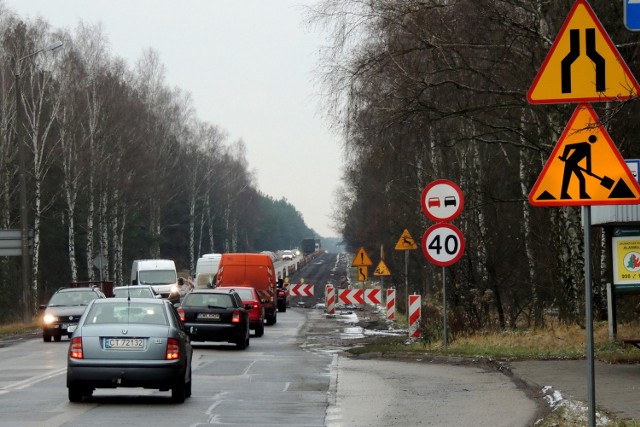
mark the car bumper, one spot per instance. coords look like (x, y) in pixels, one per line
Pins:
(106, 374)
(215, 332)
(59, 329)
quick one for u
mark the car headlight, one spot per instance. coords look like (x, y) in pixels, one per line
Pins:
(174, 290)
(48, 318)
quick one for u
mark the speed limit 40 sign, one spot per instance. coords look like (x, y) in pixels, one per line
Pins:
(443, 244)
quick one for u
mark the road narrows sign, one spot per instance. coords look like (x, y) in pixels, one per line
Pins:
(443, 244)
(585, 168)
(583, 64)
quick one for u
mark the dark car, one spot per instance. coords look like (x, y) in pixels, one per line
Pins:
(136, 342)
(135, 291)
(64, 311)
(216, 315)
(251, 301)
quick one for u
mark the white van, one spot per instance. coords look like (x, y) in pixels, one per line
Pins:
(160, 274)
(206, 270)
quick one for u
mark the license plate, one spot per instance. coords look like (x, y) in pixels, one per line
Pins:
(123, 343)
(210, 316)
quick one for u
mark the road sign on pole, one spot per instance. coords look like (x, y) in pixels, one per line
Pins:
(361, 259)
(443, 244)
(583, 64)
(632, 14)
(442, 200)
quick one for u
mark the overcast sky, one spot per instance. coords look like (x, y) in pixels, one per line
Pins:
(250, 68)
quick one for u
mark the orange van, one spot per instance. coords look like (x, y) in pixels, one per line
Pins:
(254, 270)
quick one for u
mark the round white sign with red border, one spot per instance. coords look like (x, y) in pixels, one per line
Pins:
(443, 244)
(442, 200)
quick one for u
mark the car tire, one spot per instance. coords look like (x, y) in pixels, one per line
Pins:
(76, 393)
(179, 392)
(259, 330)
(46, 337)
(187, 387)
(57, 338)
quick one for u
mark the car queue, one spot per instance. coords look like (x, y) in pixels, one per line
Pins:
(141, 335)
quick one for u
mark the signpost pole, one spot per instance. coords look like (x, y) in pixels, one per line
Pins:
(445, 338)
(591, 393)
(406, 279)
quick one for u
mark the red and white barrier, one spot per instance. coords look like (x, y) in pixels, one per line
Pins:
(373, 296)
(391, 304)
(330, 299)
(414, 316)
(301, 290)
(351, 296)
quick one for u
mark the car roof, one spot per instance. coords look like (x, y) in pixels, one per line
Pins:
(126, 300)
(77, 289)
(222, 290)
(133, 287)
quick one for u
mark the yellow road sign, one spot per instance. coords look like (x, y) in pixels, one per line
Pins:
(382, 270)
(363, 274)
(406, 242)
(585, 168)
(361, 259)
(583, 64)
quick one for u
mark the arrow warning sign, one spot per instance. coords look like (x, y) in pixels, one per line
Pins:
(585, 168)
(583, 64)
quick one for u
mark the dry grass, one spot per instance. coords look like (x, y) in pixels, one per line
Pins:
(18, 328)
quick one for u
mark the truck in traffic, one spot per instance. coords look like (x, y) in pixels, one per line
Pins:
(206, 270)
(254, 270)
(308, 246)
(160, 274)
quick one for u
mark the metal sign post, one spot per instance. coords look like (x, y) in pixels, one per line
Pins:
(591, 387)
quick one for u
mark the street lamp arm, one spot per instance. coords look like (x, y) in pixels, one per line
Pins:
(49, 48)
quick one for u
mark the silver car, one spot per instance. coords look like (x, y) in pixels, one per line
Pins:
(139, 342)
(135, 291)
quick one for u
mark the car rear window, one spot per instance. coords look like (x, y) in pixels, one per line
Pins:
(133, 293)
(208, 300)
(134, 312)
(73, 298)
(245, 293)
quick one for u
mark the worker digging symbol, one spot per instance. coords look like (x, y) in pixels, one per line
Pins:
(572, 156)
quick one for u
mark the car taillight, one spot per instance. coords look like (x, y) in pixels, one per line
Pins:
(281, 293)
(173, 349)
(181, 313)
(255, 305)
(75, 349)
(236, 317)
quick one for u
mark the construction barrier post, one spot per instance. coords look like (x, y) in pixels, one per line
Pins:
(391, 304)
(414, 316)
(330, 299)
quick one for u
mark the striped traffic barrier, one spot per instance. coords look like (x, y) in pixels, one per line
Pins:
(351, 296)
(372, 296)
(330, 299)
(414, 316)
(302, 290)
(391, 304)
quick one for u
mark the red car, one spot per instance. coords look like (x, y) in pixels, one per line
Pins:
(256, 313)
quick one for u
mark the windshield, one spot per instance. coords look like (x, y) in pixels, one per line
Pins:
(127, 312)
(157, 277)
(133, 293)
(72, 298)
(208, 300)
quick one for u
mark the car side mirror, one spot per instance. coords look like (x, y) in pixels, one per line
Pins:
(134, 282)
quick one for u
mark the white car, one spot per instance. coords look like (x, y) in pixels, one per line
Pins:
(287, 255)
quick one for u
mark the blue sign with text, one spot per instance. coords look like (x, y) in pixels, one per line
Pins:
(632, 14)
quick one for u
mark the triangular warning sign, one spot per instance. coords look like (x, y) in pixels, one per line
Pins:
(585, 168)
(382, 270)
(361, 259)
(583, 64)
(406, 242)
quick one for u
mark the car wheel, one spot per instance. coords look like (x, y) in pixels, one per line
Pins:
(58, 338)
(76, 393)
(259, 330)
(46, 338)
(187, 387)
(179, 392)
